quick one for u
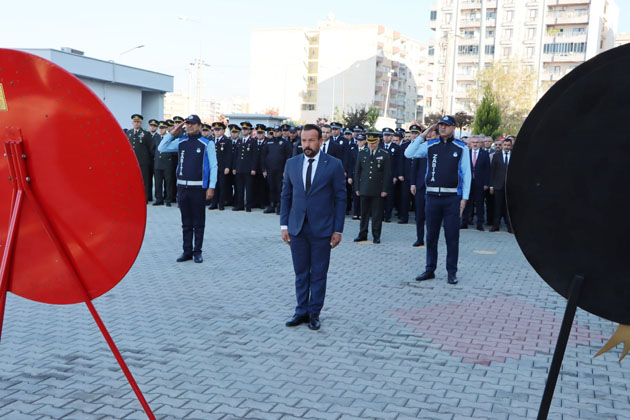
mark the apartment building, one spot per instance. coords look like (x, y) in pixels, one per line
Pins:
(321, 72)
(550, 37)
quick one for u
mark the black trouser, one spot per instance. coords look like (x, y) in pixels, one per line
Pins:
(191, 202)
(405, 199)
(500, 209)
(420, 199)
(389, 200)
(274, 179)
(489, 199)
(261, 190)
(219, 191)
(164, 183)
(230, 189)
(349, 197)
(371, 207)
(147, 178)
(475, 201)
(244, 190)
(356, 204)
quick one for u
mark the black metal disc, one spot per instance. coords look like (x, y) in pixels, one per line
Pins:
(568, 185)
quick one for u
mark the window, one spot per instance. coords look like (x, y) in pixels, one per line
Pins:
(491, 14)
(530, 52)
(507, 34)
(490, 49)
(507, 51)
(308, 107)
(468, 49)
(447, 17)
(433, 14)
(431, 50)
(533, 13)
(564, 48)
(578, 31)
(469, 34)
(509, 15)
(489, 33)
(531, 33)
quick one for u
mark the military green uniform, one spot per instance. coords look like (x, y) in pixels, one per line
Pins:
(142, 143)
(371, 172)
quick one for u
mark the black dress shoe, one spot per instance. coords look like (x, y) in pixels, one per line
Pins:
(510, 230)
(494, 229)
(168, 204)
(403, 222)
(388, 220)
(158, 203)
(297, 320)
(452, 278)
(313, 322)
(355, 217)
(360, 239)
(198, 258)
(248, 210)
(268, 210)
(221, 208)
(237, 209)
(480, 228)
(418, 243)
(376, 241)
(463, 227)
(278, 211)
(184, 257)
(427, 275)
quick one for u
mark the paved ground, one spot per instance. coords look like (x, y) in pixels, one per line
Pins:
(208, 341)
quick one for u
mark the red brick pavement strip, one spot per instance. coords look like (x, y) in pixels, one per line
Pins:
(494, 329)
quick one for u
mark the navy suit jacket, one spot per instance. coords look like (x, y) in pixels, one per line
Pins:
(325, 204)
(481, 171)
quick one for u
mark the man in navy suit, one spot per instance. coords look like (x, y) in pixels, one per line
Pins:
(480, 165)
(312, 215)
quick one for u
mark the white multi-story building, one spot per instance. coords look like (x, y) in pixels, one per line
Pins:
(322, 72)
(550, 37)
(622, 39)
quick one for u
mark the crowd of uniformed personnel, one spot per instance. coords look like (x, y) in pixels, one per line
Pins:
(381, 182)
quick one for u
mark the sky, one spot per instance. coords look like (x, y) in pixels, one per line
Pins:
(217, 31)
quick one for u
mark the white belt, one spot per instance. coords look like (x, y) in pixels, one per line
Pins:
(441, 190)
(190, 183)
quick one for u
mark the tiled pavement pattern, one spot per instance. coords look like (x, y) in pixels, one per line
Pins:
(208, 341)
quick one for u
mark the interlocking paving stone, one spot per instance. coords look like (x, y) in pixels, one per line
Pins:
(207, 341)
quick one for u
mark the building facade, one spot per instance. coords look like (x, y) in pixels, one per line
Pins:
(125, 90)
(322, 72)
(550, 37)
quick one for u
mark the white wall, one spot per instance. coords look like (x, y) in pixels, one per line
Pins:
(122, 101)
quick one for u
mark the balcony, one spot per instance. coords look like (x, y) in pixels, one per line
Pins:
(563, 58)
(568, 18)
(491, 22)
(564, 37)
(552, 76)
(470, 23)
(470, 4)
(571, 2)
(465, 76)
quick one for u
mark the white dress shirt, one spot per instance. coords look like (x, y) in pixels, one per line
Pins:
(325, 147)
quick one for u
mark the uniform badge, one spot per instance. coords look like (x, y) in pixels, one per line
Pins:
(341, 142)
(221, 147)
(455, 154)
(280, 142)
(140, 140)
(198, 150)
(248, 148)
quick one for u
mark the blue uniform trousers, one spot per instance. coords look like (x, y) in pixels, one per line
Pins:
(311, 257)
(438, 209)
(192, 202)
(420, 198)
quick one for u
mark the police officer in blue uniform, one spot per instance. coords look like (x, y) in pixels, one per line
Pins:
(447, 181)
(196, 179)
(244, 168)
(223, 147)
(394, 152)
(235, 137)
(261, 188)
(275, 153)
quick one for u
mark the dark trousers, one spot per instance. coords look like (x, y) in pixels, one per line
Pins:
(356, 204)
(349, 197)
(489, 199)
(244, 190)
(219, 192)
(474, 201)
(230, 189)
(191, 202)
(500, 209)
(371, 207)
(147, 178)
(389, 201)
(164, 183)
(443, 209)
(420, 198)
(405, 199)
(274, 180)
(311, 257)
(261, 190)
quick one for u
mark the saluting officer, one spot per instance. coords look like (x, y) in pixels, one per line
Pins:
(244, 168)
(447, 181)
(223, 148)
(196, 179)
(162, 164)
(142, 142)
(275, 153)
(373, 173)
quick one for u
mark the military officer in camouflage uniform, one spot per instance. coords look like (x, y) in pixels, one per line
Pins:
(373, 174)
(142, 144)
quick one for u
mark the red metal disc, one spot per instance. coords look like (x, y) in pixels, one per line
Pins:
(83, 173)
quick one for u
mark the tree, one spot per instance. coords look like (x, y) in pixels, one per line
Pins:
(488, 117)
(432, 118)
(513, 86)
(463, 120)
(362, 115)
